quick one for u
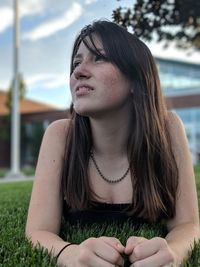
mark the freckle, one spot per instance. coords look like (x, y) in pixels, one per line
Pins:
(54, 161)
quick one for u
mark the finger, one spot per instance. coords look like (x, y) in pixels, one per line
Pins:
(170, 265)
(99, 262)
(156, 260)
(91, 260)
(151, 247)
(109, 253)
(145, 249)
(100, 248)
(148, 248)
(132, 242)
(114, 242)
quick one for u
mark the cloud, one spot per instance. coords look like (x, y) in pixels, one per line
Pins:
(49, 28)
(172, 52)
(4, 84)
(44, 80)
(6, 15)
(89, 2)
(25, 8)
(51, 88)
(31, 7)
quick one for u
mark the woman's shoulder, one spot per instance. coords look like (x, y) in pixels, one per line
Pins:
(174, 122)
(178, 135)
(55, 136)
(58, 127)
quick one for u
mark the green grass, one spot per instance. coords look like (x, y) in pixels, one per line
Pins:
(197, 174)
(16, 251)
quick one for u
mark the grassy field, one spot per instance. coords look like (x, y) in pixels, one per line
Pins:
(16, 251)
(197, 174)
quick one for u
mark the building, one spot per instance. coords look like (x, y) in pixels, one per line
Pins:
(35, 117)
(181, 84)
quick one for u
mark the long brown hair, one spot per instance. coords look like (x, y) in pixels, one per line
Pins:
(153, 168)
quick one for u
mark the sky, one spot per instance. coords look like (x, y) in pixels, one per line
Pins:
(47, 32)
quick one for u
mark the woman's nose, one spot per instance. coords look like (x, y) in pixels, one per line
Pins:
(82, 71)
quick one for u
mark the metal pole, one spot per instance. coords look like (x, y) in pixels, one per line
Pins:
(15, 113)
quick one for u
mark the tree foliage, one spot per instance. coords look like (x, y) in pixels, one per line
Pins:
(6, 120)
(163, 20)
(22, 91)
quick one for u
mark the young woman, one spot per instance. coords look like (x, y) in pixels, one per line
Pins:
(121, 152)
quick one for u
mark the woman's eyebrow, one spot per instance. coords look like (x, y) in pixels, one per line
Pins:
(78, 56)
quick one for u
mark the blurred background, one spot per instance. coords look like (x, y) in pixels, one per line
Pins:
(47, 29)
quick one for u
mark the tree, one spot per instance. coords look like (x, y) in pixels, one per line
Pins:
(168, 20)
(22, 91)
(5, 131)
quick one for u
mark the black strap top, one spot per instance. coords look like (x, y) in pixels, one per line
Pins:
(100, 213)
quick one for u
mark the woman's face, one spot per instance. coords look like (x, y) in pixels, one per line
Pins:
(97, 86)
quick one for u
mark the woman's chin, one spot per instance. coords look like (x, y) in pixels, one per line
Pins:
(82, 111)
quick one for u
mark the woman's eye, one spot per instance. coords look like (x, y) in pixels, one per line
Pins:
(75, 64)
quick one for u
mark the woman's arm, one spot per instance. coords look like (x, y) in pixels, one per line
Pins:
(44, 215)
(184, 227)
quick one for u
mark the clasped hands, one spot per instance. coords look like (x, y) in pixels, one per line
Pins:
(109, 252)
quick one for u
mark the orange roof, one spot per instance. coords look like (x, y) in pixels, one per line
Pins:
(26, 105)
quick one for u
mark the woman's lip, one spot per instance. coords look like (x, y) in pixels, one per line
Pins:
(81, 86)
(83, 90)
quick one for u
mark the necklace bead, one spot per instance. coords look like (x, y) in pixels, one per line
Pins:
(110, 181)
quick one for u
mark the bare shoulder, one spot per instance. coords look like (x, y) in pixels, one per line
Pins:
(57, 130)
(58, 127)
(53, 143)
(178, 137)
(174, 122)
(176, 128)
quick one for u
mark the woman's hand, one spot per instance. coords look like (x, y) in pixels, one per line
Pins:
(98, 252)
(153, 252)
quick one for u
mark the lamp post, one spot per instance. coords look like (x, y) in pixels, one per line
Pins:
(15, 111)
